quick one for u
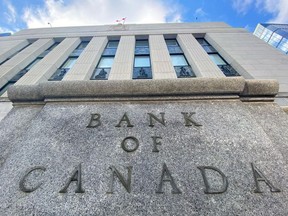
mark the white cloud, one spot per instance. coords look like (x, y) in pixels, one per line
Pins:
(278, 8)
(177, 18)
(10, 14)
(242, 6)
(95, 12)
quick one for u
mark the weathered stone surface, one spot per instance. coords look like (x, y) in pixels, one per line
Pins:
(25, 93)
(233, 135)
(260, 87)
(122, 88)
(196, 87)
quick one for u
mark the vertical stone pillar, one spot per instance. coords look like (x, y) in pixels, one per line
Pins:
(45, 68)
(197, 57)
(87, 61)
(8, 48)
(22, 59)
(122, 67)
(5, 107)
(162, 67)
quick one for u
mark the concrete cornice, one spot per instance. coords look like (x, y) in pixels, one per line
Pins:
(199, 88)
(127, 29)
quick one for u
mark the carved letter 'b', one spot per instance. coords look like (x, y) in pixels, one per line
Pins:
(94, 121)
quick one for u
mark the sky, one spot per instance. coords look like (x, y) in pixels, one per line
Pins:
(21, 14)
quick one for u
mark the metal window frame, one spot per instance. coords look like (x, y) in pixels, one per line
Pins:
(215, 52)
(142, 55)
(171, 39)
(135, 68)
(6, 86)
(102, 58)
(143, 47)
(142, 40)
(105, 56)
(182, 54)
(112, 41)
(109, 48)
(69, 57)
(176, 53)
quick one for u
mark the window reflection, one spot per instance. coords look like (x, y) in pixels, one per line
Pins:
(103, 68)
(26, 69)
(227, 69)
(178, 60)
(142, 61)
(69, 63)
(142, 66)
(273, 34)
(181, 67)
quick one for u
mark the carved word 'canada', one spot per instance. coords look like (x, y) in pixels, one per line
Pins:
(165, 177)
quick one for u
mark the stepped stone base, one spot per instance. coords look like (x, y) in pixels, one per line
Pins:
(186, 153)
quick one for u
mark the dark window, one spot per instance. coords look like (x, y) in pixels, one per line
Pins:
(142, 47)
(68, 64)
(182, 68)
(111, 48)
(4, 61)
(77, 52)
(42, 55)
(103, 68)
(227, 69)
(19, 74)
(26, 69)
(206, 46)
(15, 54)
(60, 73)
(142, 65)
(173, 47)
(5, 87)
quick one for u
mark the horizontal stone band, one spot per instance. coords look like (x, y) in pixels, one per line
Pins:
(143, 88)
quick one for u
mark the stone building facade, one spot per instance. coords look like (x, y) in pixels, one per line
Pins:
(155, 119)
(121, 52)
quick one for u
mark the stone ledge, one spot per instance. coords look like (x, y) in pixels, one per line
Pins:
(220, 87)
(25, 93)
(260, 87)
(4, 99)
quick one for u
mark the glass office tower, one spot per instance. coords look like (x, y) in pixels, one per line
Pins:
(274, 34)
